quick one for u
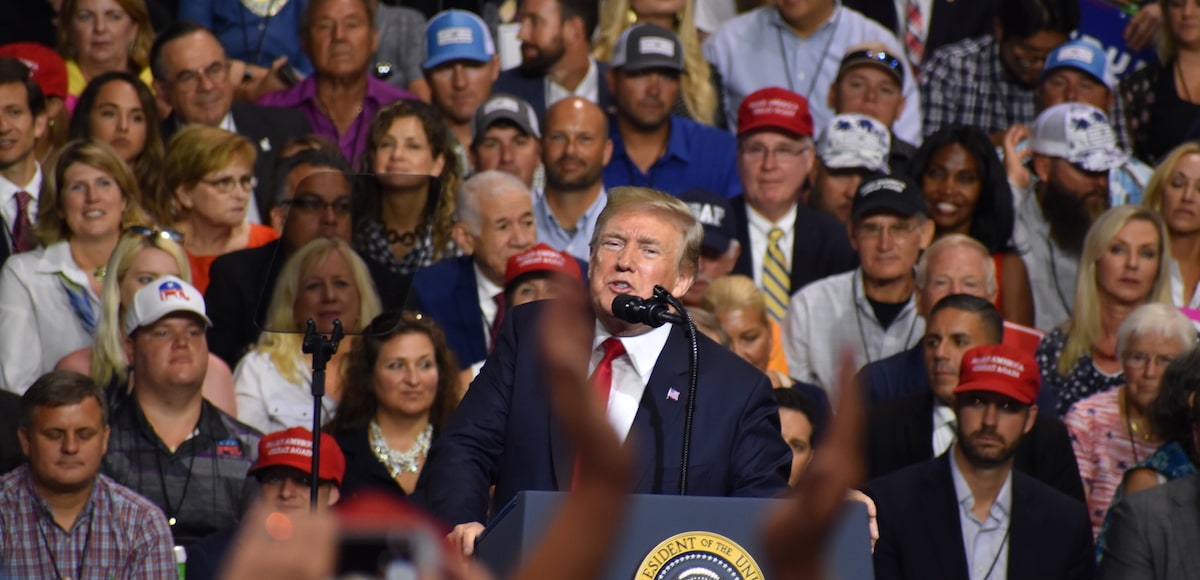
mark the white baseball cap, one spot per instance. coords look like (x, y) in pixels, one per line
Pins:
(165, 295)
(855, 141)
(1078, 133)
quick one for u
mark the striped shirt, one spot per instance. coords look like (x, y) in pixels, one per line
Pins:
(119, 534)
(202, 484)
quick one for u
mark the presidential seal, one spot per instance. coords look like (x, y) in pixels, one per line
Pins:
(698, 556)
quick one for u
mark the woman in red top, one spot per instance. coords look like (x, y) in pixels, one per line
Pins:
(209, 180)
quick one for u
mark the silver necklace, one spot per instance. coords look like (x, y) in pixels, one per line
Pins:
(399, 462)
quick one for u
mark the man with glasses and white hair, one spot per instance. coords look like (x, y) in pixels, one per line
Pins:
(192, 74)
(871, 310)
(785, 245)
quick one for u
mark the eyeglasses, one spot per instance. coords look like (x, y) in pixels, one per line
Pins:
(1139, 360)
(164, 234)
(757, 152)
(226, 184)
(312, 204)
(190, 79)
(896, 230)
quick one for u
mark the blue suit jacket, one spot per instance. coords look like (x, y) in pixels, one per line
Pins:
(920, 535)
(532, 88)
(503, 433)
(446, 291)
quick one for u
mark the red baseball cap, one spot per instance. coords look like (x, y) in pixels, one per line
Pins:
(542, 258)
(775, 108)
(48, 69)
(1000, 369)
(293, 448)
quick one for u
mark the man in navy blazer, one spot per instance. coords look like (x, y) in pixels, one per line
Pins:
(968, 513)
(556, 59)
(464, 295)
(503, 433)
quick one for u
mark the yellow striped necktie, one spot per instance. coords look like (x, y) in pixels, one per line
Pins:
(776, 276)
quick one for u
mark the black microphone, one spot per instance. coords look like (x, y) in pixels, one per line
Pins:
(649, 311)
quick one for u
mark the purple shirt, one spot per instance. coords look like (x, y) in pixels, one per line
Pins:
(303, 97)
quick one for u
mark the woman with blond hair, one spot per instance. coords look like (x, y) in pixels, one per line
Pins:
(324, 281)
(1174, 192)
(50, 297)
(404, 219)
(698, 95)
(99, 36)
(143, 255)
(209, 187)
(1124, 265)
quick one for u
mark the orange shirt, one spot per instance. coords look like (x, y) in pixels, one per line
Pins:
(259, 235)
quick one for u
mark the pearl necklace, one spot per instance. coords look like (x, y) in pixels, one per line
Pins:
(399, 462)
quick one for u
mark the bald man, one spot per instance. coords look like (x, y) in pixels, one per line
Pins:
(575, 149)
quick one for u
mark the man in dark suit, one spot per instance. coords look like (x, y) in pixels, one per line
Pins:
(10, 445)
(946, 21)
(20, 172)
(556, 59)
(968, 513)
(312, 200)
(775, 155)
(191, 73)
(503, 435)
(465, 295)
(1154, 534)
(917, 427)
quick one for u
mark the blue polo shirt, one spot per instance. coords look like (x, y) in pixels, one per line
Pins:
(697, 156)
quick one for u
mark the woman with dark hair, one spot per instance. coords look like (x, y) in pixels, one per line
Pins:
(400, 387)
(118, 109)
(968, 193)
(404, 222)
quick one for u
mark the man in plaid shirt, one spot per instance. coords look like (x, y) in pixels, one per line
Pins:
(988, 82)
(59, 517)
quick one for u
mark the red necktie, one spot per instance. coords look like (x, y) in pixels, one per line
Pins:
(602, 382)
(603, 375)
(22, 231)
(912, 34)
(498, 319)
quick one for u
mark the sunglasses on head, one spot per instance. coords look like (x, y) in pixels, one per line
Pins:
(164, 233)
(882, 57)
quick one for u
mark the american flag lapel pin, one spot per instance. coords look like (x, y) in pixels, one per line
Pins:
(672, 394)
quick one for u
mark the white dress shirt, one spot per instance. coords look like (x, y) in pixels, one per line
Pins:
(984, 542)
(833, 314)
(944, 421)
(268, 402)
(589, 87)
(631, 373)
(487, 291)
(40, 325)
(8, 201)
(760, 229)
(1177, 292)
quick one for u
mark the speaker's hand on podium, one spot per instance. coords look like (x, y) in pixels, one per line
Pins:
(462, 537)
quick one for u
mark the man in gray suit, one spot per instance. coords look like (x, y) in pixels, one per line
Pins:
(1154, 534)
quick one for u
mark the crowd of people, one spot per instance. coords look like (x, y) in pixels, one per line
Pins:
(958, 227)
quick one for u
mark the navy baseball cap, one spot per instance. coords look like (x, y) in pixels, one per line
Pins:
(714, 213)
(892, 194)
(457, 35)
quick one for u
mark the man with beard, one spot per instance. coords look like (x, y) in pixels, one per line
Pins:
(988, 82)
(575, 149)
(651, 147)
(1074, 148)
(967, 513)
(556, 60)
(920, 426)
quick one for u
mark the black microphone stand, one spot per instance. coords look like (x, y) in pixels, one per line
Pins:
(321, 349)
(661, 293)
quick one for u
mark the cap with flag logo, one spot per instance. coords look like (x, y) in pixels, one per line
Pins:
(853, 141)
(1079, 133)
(647, 46)
(457, 35)
(166, 295)
(1000, 369)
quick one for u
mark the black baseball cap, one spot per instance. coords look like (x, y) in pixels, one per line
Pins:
(647, 46)
(892, 194)
(714, 213)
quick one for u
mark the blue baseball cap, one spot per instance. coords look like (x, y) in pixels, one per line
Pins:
(1081, 55)
(457, 35)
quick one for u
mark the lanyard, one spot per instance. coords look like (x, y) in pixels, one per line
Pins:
(783, 52)
(87, 540)
(862, 335)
